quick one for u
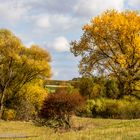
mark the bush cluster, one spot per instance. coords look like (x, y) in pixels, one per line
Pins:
(112, 108)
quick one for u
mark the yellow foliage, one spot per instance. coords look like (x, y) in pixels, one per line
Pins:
(19, 67)
(34, 93)
(111, 45)
(9, 114)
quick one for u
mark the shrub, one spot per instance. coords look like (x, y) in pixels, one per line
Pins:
(120, 109)
(87, 109)
(25, 110)
(58, 108)
(28, 101)
(9, 114)
(128, 108)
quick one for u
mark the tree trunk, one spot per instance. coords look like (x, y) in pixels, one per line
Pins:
(2, 104)
(3, 92)
(121, 90)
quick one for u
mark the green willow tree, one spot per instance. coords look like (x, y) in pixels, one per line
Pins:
(19, 65)
(110, 45)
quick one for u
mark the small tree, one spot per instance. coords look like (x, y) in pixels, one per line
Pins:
(59, 108)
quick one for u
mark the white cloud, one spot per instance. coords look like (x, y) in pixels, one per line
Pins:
(64, 22)
(54, 22)
(43, 21)
(60, 44)
(94, 7)
(13, 10)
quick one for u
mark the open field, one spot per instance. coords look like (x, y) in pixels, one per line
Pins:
(90, 129)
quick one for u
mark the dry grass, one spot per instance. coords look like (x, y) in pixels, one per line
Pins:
(89, 129)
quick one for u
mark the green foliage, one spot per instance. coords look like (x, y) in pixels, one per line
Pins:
(112, 90)
(92, 87)
(89, 87)
(86, 87)
(105, 108)
(123, 109)
(87, 109)
(71, 89)
(127, 108)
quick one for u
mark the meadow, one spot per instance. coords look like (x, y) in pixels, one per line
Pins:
(85, 129)
(108, 86)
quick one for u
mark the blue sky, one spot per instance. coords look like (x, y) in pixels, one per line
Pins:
(53, 24)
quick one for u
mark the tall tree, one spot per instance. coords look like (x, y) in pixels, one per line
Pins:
(19, 65)
(110, 45)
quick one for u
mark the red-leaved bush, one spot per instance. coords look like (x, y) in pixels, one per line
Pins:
(59, 107)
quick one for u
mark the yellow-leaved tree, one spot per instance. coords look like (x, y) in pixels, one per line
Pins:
(110, 45)
(19, 65)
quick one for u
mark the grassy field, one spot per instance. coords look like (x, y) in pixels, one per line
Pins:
(90, 129)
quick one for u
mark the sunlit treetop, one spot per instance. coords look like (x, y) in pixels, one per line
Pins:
(112, 35)
(110, 45)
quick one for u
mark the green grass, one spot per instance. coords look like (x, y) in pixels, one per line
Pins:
(92, 129)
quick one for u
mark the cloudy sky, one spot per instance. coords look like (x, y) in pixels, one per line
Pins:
(53, 24)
